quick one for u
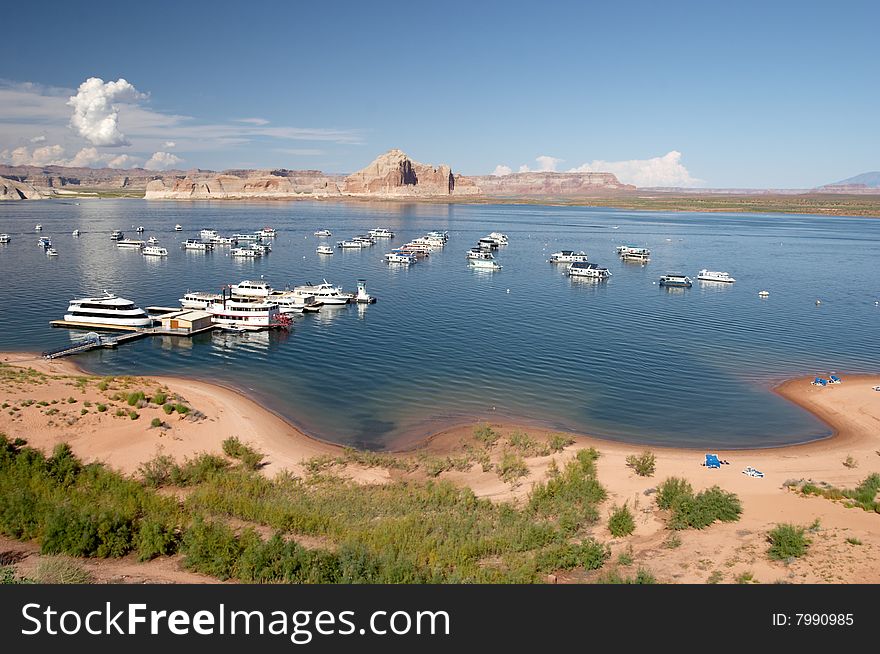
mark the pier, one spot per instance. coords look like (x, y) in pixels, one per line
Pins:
(94, 340)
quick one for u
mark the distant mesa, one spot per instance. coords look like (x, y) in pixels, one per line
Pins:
(549, 184)
(864, 183)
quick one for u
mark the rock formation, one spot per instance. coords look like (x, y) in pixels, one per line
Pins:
(13, 190)
(244, 184)
(540, 184)
(395, 174)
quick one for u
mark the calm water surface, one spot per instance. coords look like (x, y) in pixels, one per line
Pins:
(625, 359)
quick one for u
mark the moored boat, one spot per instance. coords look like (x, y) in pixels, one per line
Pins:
(52, 252)
(676, 280)
(107, 310)
(199, 300)
(195, 244)
(248, 288)
(155, 251)
(325, 292)
(75, 232)
(5, 238)
(568, 256)
(130, 244)
(400, 257)
(324, 249)
(715, 276)
(590, 270)
(245, 253)
(362, 297)
(381, 232)
(116, 235)
(323, 233)
(267, 232)
(178, 228)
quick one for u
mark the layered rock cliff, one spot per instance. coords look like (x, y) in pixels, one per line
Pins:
(537, 184)
(245, 184)
(14, 190)
(394, 174)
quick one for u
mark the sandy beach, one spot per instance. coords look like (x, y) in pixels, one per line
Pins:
(724, 552)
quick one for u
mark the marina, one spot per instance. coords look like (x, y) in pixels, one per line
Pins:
(427, 311)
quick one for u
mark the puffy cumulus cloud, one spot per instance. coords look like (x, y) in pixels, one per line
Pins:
(38, 139)
(546, 164)
(658, 171)
(48, 155)
(122, 161)
(96, 110)
(501, 170)
(162, 161)
(169, 144)
(86, 157)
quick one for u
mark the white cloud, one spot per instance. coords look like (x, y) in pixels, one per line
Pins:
(122, 161)
(86, 157)
(547, 164)
(48, 155)
(501, 170)
(253, 121)
(38, 139)
(169, 144)
(658, 171)
(162, 161)
(524, 169)
(96, 110)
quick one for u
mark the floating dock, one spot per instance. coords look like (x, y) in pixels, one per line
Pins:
(98, 341)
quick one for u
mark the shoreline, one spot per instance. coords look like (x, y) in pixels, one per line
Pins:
(792, 390)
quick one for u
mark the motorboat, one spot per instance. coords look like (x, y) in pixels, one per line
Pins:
(676, 280)
(400, 257)
(362, 297)
(262, 248)
(5, 238)
(590, 270)
(488, 243)
(500, 238)
(155, 251)
(140, 229)
(295, 302)
(152, 240)
(178, 228)
(223, 240)
(246, 237)
(325, 292)
(365, 239)
(199, 300)
(130, 244)
(197, 245)
(323, 233)
(715, 276)
(75, 232)
(475, 253)
(485, 261)
(44, 242)
(52, 252)
(38, 228)
(208, 234)
(629, 253)
(116, 235)
(381, 232)
(267, 232)
(324, 249)
(568, 256)
(245, 253)
(248, 288)
(352, 244)
(107, 310)
(763, 293)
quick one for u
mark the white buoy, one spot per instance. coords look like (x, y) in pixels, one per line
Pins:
(508, 290)
(818, 302)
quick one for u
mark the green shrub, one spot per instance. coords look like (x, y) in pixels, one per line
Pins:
(134, 415)
(853, 541)
(787, 541)
(559, 442)
(159, 398)
(248, 456)
(621, 522)
(589, 555)
(850, 462)
(156, 422)
(689, 511)
(182, 409)
(60, 570)
(198, 470)
(104, 384)
(101, 408)
(671, 492)
(156, 537)
(71, 400)
(643, 464)
(121, 412)
(211, 548)
(87, 403)
(486, 435)
(135, 398)
(511, 467)
(83, 412)
(157, 471)
(642, 576)
(168, 409)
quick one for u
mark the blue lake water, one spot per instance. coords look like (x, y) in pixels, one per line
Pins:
(625, 359)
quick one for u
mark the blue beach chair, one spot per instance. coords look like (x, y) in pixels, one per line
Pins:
(712, 461)
(834, 379)
(819, 382)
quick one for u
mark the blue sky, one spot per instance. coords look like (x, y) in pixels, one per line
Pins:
(745, 94)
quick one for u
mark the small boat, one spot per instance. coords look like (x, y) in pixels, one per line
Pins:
(352, 244)
(488, 243)
(247, 288)
(486, 261)
(365, 239)
(500, 238)
(207, 234)
(325, 292)
(44, 242)
(245, 253)
(676, 280)
(324, 249)
(178, 228)
(152, 240)
(75, 232)
(38, 228)
(116, 235)
(362, 297)
(715, 276)
(590, 270)
(323, 233)
(381, 232)
(634, 254)
(130, 243)
(5, 238)
(246, 237)
(475, 253)
(140, 229)
(400, 257)
(295, 302)
(267, 232)
(223, 240)
(568, 256)
(195, 244)
(155, 251)
(262, 248)
(198, 300)
(52, 252)
(763, 293)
